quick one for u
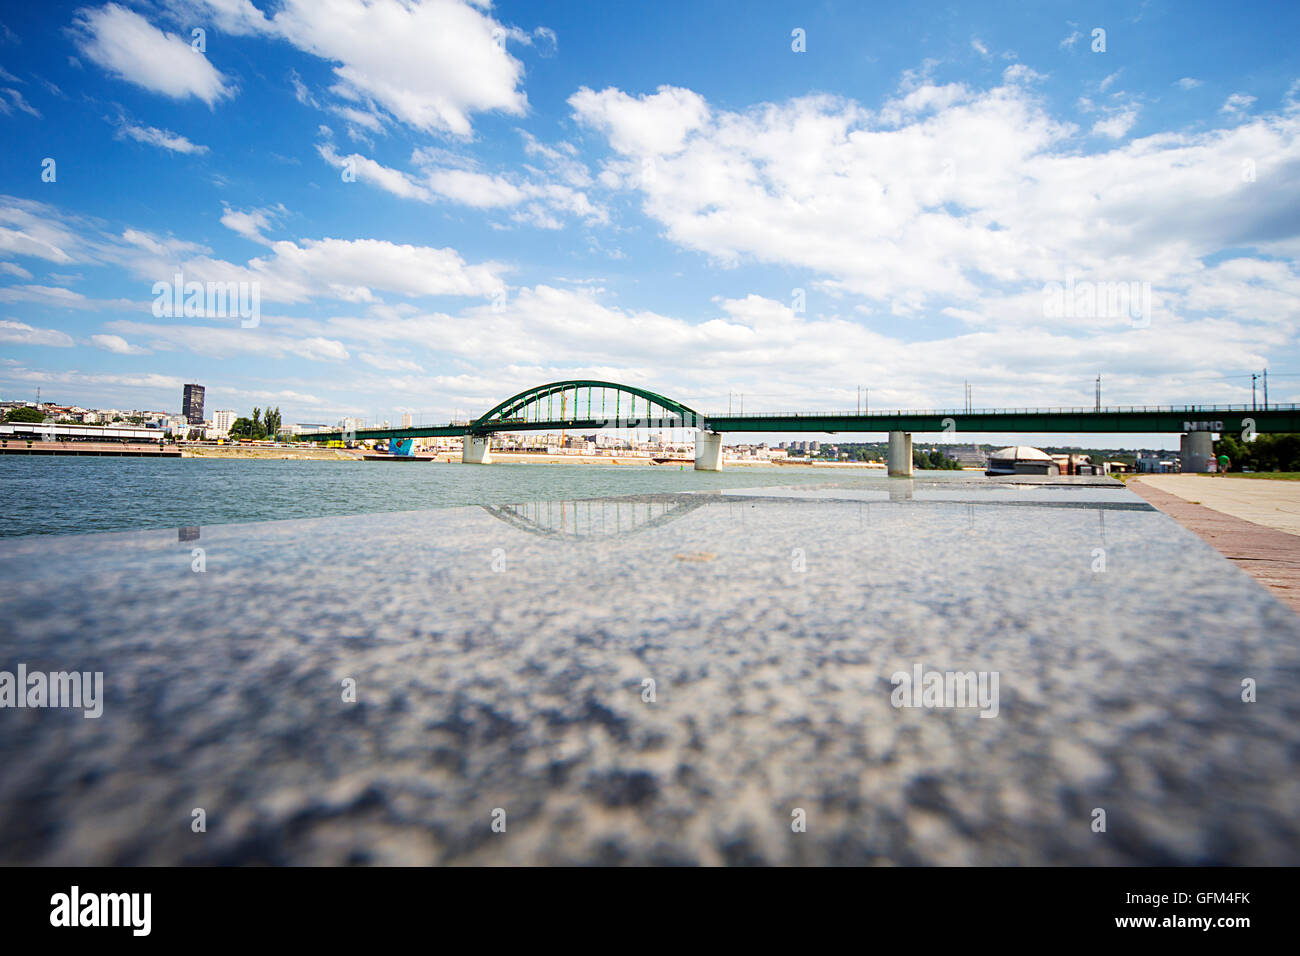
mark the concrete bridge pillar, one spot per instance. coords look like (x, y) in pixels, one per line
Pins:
(476, 450)
(1196, 449)
(900, 454)
(708, 451)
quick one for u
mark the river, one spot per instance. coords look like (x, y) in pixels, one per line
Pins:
(75, 495)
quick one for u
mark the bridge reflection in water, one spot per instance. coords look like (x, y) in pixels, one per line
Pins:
(606, 518)
(597, 518)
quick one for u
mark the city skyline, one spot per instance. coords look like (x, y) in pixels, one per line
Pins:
(463, 200)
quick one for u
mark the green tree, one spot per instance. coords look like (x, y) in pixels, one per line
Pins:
(24, 414)
(245, 428)
(1264, 453)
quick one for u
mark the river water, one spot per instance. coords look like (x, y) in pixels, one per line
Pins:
(74, 495)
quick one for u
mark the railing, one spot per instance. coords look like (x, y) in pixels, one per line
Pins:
(946, 412)
(1047, 410)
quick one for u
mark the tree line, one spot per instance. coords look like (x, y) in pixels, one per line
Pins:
(258, 428)
(1263, 453)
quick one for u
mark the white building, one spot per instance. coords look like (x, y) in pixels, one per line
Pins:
(1021, 460)
(221, 422)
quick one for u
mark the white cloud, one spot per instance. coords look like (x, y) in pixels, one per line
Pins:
(230, 342)
(1073, 37)
(18, 102)
(14, 269)
(1116, 125)
(541, 202)
(1188, 83)
(982, 197)
(430, 64)
(116, 344)
(46, 295)
(353, 270)
(1020, 73)
(163, 139)
(1237, 103)
(253, 223)
(128, 46)
(19, 333)
(390, 363)
(761, 341)
(26, 230)
(651, 125)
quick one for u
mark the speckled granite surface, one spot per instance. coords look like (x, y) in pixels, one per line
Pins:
(513, 679)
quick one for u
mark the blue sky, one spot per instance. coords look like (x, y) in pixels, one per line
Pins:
(443, 203)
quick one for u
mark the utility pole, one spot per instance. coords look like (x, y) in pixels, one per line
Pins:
(1098, 401)
(1266, 389)
(1253, 376)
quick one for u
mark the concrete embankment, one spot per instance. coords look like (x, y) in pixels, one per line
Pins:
(104, 449)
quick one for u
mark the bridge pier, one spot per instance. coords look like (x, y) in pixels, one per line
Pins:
(900, 454)
(1195, 448)
(708, 451)
(476, 450)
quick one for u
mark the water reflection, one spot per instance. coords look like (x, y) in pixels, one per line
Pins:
(614, 517)
(596, 518)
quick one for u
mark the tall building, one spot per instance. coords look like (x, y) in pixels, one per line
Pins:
(222, 419)
(192, 404)
(406, 419)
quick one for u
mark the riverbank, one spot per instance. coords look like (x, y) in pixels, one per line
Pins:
(253, 452)
(311, 453)
(89, 449)
(1216, 509)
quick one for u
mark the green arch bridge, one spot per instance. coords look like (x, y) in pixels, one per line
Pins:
(585, 404)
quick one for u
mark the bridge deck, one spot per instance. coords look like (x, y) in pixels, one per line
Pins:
(1132, 419)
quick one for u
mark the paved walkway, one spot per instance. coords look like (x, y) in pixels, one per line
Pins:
(1261, 547)
(1274, 504)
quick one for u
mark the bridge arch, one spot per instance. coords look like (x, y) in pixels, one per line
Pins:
(587, 403)
(596, 519)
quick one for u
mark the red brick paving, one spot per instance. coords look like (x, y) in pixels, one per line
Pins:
(1271, 557)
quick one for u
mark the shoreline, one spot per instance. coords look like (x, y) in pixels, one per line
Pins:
(504, 458)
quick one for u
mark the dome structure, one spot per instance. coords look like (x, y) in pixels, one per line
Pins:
(1021, 453)
(1021, 460)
